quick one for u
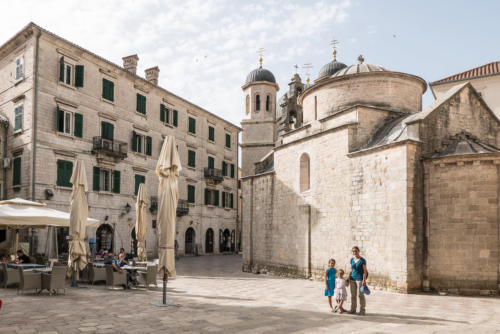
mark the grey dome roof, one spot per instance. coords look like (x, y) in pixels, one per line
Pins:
(260, 74)
(359, 68)
(331, 68)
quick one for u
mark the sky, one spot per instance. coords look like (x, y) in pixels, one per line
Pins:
(205, 48)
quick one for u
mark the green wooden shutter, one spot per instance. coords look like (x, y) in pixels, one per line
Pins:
(191, 158)
(211, 162)
(211, 133)
(149, 146)
(59, 119)
(162, 113)
(232, 170)
(137, 183)
(69, 172)
(141, 104)
(207, 196)
(116, 181)
(78, 125)
(228, 140)
(108, 90)
(223, 199)
(231, 199)
(16, 171)
(192, 125)
(97, 177)
(60, 171)
(111, 131)
(175, 118)
(79, 76)
(61, 69)
(167, 115)
(216, 195)
(224, 168)
(134, 141)
(191, 194)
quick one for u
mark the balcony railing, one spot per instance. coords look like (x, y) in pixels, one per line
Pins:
(114, 148)
(182, 206)
(213, 174)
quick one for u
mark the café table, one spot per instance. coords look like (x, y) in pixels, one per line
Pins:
(133, 271)
(99, 264)
(25, 265)
(42, 270)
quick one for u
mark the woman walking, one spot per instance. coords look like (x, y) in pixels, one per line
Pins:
(357, 278)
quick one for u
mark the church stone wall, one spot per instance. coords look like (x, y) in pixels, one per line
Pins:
(462, 226)
(353, 200)
(388, 90)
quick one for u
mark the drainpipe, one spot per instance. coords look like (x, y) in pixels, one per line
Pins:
(237, 195)
(4, 155)
(34, 127)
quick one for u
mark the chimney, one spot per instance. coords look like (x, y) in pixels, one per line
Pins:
(152, 74)
(130, 63)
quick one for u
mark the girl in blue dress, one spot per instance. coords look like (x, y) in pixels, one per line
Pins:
(330, 275)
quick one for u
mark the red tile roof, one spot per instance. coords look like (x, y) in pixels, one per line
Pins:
(481, 71)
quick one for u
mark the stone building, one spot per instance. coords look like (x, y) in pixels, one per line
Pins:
(358, 161)
(63, 103)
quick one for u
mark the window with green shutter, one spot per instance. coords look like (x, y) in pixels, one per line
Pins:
(232, 170)
(175, 116)
(78, 125)
(64, 171)
(79, 76)
(138, 180)
(96, 178)
(231, 201)
(216, 198)
(61, 69)
(228, 140)
(16, 171)
(192, 125)
(107, 130)
(224, 168)
(108, 90)
(162, 113)
(191, 193)
(18, 117)
(207, 196)
(149, 145)
(191, 158)
(211, 162)
(116, 181)
(141, 104)
(211, 133)
(223, 199)
(134, 141)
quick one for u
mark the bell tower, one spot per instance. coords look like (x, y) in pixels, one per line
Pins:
(259, 119)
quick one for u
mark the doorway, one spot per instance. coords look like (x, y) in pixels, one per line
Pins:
(209, 241)
(104, 237)
(225, 241)
(189, 241)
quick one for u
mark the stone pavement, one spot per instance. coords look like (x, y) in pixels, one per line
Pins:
(216, 297)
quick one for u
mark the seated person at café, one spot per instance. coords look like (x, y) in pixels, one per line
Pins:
(22, 258)
(116, 265)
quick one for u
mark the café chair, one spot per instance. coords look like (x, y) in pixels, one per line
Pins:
(96, 274)
(55, 280)
(29, 280)
(10, 276)
(114, 278)
(148, 276)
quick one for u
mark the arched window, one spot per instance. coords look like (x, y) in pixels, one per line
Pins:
(247, 104)
(305, 174)
(209, 241)
(268, 103)
(257, 102)
(190, 241)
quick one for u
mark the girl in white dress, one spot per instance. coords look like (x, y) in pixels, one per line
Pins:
(340, 291)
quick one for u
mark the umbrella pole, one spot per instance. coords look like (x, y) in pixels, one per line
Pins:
(165, 303)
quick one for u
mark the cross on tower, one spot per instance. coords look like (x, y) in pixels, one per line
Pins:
(260, 52)
(334, 44)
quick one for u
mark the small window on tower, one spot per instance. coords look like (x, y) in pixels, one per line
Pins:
(268, 103)
(257, 102)
(247, 104)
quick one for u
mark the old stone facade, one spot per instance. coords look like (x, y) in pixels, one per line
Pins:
(416, 190)
(77, 105)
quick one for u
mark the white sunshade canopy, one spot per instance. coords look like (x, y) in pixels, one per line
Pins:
(19, 213)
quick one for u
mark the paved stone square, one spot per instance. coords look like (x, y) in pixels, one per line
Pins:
(216, 297)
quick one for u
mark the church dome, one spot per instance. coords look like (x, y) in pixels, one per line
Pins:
(331, 68)
(260, 74)
(359, 68)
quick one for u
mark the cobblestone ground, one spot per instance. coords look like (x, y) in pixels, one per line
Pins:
(216, 297)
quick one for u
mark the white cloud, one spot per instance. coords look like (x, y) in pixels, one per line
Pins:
(204, 48)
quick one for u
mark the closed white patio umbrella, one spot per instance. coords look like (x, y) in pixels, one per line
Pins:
(141, 223)
(77, 259)
(167, 169)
